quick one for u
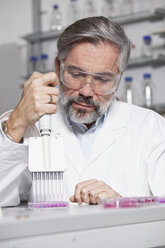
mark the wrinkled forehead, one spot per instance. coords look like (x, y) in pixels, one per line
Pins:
(94, 57)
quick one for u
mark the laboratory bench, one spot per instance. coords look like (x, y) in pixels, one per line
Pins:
(82, 226)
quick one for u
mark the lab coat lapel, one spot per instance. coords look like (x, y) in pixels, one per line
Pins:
(106, 138)
(72, 147)
(111, 130)
(73, 150)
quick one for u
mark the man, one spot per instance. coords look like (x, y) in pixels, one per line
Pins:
(112, 149)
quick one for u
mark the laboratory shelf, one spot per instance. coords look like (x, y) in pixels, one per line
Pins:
(157, 14)
(41, 36)
(160, 33)
(160, 108)
(144, 61)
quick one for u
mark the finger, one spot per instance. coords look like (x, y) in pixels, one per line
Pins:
(103, 195)
(47, 79)
(100, 188)
(50, 90)
(85, 198)
(94, 194)
(43, 94)
(106, 195)
(78, 188)
(52, 99)
(72, 199)
(92, 199)
(91, 189)
(43, 109)
(35, 75)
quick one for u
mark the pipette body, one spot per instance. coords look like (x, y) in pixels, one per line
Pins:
(46, 164)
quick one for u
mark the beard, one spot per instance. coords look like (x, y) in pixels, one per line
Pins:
(81, 115)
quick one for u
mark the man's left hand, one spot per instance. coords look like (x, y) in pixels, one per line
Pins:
(92, 191)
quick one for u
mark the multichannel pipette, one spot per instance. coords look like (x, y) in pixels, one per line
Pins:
(47, 166)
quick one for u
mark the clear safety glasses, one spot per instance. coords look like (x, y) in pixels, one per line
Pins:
(103, 83)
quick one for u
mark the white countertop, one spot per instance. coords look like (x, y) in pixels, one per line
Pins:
(21, 222)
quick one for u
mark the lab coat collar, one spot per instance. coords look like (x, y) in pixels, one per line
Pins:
(112, 129)
(118, 115)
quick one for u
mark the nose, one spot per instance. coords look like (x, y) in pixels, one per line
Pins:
(86, 89)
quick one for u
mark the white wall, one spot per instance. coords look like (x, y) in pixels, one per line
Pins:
(16, 21)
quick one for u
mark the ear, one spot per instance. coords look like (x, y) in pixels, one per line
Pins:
(57, 66)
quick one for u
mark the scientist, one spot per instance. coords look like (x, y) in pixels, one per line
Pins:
(111, 148)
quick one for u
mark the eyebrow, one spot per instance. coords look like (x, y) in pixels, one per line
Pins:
(73, 67)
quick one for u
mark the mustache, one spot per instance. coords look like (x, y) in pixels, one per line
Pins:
(83, 99)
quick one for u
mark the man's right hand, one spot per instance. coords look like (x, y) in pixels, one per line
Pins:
(34, 103)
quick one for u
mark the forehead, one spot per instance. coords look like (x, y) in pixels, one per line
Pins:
(94, 58)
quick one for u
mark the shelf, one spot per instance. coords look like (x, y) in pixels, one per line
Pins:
(137, 62)
(160, 108)
(160, 33)
(42, 36)
(157, 14)
(141, 61)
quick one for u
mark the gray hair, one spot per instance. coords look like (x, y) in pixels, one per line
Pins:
(95, 30)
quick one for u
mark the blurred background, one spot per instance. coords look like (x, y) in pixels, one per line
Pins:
(30, 28)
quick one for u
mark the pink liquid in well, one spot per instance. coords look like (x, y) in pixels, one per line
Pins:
(53, 204)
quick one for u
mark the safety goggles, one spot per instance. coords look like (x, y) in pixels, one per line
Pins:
(103, 83)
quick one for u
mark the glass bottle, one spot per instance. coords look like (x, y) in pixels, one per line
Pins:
(126, 7)
(43, 63)
(56, 18)
(128, 90)
(146, 46)
(113, 8)
(148, 93)
(72, 13)
(90, 8)
(33, 66)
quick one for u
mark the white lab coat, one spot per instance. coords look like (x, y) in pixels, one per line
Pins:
(128, 154)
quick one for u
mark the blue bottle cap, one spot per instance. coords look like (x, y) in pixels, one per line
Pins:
(128, 79)
(147, 38)
(44, 56)
(55, 6)
(33, 58)
(146, 75)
